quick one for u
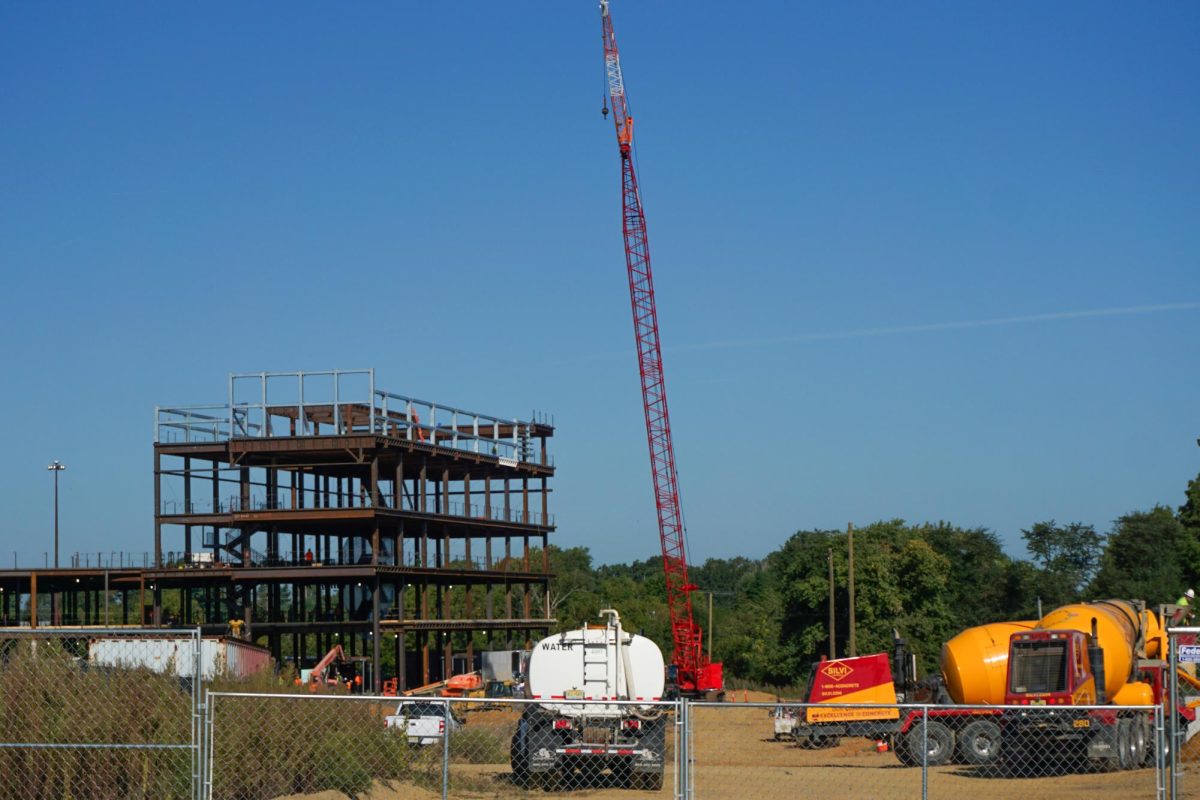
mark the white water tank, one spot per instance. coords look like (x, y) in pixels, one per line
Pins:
(599, 662)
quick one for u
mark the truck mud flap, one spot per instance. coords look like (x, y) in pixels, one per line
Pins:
(542, 750)
(1103, 746)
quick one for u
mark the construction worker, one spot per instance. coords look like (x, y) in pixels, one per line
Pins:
(308, 557)
(1183, 610)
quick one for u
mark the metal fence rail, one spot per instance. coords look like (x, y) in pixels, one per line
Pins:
(103, 714)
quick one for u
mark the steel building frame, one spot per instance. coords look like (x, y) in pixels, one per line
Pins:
(316, 509)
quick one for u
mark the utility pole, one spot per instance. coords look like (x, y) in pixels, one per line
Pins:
(832, 613)
(850, 539)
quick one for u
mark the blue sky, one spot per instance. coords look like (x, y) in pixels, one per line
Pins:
(429, 190)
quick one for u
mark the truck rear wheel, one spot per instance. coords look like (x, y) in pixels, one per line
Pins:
(647, 781)
(979, 743)
(1143, 752)
(903, 753)
(937, 742)
(516, 760)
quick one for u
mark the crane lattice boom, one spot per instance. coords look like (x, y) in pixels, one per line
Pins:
(694, 672)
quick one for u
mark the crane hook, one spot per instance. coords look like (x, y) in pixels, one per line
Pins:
(604, 110)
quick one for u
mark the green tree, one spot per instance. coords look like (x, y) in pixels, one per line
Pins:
(1068, 556)
(1189, 512)
(1150, 556)
(978, 586)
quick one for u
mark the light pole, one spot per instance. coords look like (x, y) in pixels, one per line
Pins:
(56, 467)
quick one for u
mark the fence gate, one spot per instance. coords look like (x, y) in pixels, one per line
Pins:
(1183, 770)
(99, 714)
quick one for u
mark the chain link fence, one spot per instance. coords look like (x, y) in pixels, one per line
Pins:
(99, 714)
(118, 714)
(296, 745)
(1002, 753)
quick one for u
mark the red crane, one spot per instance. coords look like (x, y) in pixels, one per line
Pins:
(694, 673)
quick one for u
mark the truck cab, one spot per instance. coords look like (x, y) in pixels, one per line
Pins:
(1048, 668)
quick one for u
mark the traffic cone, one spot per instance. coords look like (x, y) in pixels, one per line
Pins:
(881, 746)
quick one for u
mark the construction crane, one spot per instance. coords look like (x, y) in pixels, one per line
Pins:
(694, 674)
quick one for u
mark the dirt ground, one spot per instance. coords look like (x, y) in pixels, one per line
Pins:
(737, 757)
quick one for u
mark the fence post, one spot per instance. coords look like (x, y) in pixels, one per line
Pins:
(446, 751)
(197, 719)
(925, 753)
(1160, 766)
(204, 748)
(685, 752)
(1172, 708)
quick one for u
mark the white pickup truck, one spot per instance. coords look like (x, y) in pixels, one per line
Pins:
(422, 721)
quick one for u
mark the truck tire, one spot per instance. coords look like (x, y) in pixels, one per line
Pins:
(905, 756)
(518, 762)
(1142, 749)
(979, 743)
(940, 741)
(647, 781)
(1124, 744)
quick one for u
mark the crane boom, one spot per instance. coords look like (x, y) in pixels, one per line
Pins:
(694, 673)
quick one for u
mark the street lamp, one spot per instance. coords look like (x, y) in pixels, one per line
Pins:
(56, 467)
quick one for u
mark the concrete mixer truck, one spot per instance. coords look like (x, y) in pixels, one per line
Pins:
(593, 714)
(1109, 653)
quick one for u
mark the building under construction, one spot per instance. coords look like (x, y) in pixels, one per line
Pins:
(313, 509)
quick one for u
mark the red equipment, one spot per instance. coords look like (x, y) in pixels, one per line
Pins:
(695, 674)
(317, 676)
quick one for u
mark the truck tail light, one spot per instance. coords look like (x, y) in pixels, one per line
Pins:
(562, 724)
(441, 726)
(632, 724)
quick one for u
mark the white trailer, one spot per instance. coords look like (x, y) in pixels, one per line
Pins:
(503, 665)
(594, 690)
(219, 656)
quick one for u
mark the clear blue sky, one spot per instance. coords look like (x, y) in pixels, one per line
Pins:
(429, 189)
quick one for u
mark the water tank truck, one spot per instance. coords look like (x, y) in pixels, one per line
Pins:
(593, 690)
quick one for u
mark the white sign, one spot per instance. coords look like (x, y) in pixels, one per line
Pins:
(1189, 653)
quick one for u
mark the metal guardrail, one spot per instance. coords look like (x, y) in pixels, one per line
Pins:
(341, 411)
(357, 500)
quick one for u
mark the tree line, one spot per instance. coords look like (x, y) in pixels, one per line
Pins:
(924, 582)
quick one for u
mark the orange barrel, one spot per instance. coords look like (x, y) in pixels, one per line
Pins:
(975, 662)
(1117, 626)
